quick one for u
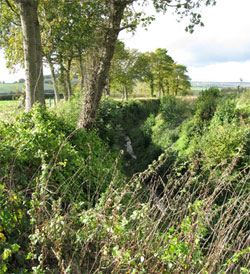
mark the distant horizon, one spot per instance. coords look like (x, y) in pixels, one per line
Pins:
(192, 81)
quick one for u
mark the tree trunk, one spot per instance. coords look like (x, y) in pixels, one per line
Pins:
(176, 88)
(81, 73)
(62, 81)
(126, 93)
(32, 52)
(54, 81)
(152, 88)
(69, 87)
(98, 76)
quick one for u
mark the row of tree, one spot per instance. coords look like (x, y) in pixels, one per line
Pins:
(79, 33)
(157, 69)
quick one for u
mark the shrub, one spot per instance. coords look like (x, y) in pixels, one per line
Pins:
(220, 140)
(206, 104)
(193, 129)
(44, 158)
(226, 112)
(38, 138)
(174, 111)
(167, 125)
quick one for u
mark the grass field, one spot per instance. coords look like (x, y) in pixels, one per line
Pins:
(8, 103)
(17, 87)
(12, 104)
(10, 88)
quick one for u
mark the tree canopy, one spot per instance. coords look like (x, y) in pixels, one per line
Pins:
(86, 32)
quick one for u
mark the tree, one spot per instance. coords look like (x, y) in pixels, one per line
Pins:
(70, 31)
(119, 15)
(180, 81)
(99, 75)
(11, 39)
(123, 71)
(115, 16)
(162, 69)
(32, 52)
(143, 67)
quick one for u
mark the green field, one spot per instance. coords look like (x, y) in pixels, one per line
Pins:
(8, 103)
(12, 104)
(11, 87)
(17, 87)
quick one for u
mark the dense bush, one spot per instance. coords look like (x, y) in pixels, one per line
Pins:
(193, 129)
(165, 127)
(220, 139)
(38, 138)
(206, 103)
(44, 158)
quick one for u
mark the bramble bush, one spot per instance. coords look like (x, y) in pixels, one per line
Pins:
(41, 153)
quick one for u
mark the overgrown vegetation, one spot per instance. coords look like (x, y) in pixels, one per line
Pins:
(66, 205)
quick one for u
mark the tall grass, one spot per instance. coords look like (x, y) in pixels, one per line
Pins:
(187, 227)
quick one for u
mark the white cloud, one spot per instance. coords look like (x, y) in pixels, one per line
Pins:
(223, 45)
(221, 72)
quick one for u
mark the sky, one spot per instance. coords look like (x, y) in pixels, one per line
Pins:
(220, 51)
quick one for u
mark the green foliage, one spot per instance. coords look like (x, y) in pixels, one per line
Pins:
(65, 206)
(206, 103)
(217, 133)
(221, 144)
(47, 140)
(13, 226)
(110, 121)
(147, 126)
(129, 228)
(119, 119)
(167, 125)
(43, 156)
(174, 111)
(226, 137)
(226, 112)
(193, 129)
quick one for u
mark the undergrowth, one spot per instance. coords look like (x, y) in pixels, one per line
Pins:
(66, 206)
